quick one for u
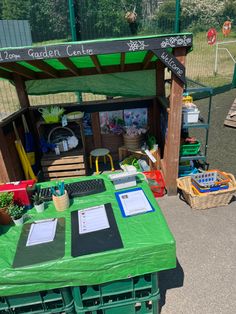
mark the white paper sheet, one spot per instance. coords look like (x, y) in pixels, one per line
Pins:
(93, 219)
(134, 202)
(42, 231)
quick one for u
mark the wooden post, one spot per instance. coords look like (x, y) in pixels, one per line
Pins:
(172, 145)
(160, 78)
(97, 139)
(21, 91)
(7, 171)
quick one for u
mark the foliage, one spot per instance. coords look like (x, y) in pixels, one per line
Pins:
(229, 10)
(37, 198)
(6, 198)
(165, 16)
(48, 19)
(15, 211)
(202, 14)
(133, 130)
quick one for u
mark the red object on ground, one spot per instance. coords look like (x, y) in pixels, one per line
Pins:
(211, 36)
(22, 191)
(156, 182)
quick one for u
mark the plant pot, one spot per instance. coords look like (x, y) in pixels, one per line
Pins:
(39, 208)
(5, 219)
(133, 142)
(62, 202)
(18, 221)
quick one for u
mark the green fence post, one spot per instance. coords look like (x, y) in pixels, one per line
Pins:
(234, 77)
(177, 16)
(72, 20)
(73, 34)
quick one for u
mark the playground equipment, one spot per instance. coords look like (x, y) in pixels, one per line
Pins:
(219, 47)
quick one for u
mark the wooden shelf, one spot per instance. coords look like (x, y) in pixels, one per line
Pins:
(68, 164)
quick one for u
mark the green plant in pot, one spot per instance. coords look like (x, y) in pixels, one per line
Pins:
(6, 198)
(16, 212)
(38, 201)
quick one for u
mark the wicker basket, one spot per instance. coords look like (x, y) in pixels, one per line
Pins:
(206, 200)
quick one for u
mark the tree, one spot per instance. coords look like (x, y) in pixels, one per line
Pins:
(15, 9)
(165, 16)
(201, 14)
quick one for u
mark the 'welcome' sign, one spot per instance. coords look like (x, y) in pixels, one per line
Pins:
(172, 63)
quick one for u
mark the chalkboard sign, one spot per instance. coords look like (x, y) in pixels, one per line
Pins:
(94, 48)
(172, 63)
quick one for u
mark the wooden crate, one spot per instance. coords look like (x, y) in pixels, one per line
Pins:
(66, 165)
(124, 152)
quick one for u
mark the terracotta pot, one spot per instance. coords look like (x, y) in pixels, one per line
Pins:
(5, 219)
(61, 202)
(133, 142)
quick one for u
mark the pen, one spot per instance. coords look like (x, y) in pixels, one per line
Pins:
(44, 220)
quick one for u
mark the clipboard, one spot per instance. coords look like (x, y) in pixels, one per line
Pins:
(96, 241)
(136, 199)
(44, 252)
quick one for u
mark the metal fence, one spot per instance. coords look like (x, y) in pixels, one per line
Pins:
(66, 20)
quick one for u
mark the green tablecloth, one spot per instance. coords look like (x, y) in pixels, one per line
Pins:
(149, 247)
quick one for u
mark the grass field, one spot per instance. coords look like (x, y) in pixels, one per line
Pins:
(200, 66)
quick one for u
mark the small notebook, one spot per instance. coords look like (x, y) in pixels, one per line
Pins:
(94, 230)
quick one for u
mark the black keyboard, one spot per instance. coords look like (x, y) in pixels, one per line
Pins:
(77, 189)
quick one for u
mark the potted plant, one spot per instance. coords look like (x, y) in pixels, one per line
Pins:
(16, 212)
(6, 198)
(38, 201)
(133, 136)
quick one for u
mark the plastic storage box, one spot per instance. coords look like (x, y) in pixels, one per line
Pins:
(156, 182)
(50, 301)
(150, 306)
(115, 294)
(190, 115)
(190, 149)
(209, 181)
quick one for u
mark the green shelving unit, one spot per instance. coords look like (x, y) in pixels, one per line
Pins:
(202, 123)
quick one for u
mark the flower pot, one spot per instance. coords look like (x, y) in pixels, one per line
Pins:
(61, 202)
(39, 208)
(133, 142)
(18, 221)
(5, 219)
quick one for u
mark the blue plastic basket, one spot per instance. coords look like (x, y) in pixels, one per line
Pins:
(210, 181)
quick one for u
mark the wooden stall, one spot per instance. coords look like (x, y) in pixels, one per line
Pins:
(133, 68)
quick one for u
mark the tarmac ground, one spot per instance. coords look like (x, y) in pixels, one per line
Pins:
(204, 281)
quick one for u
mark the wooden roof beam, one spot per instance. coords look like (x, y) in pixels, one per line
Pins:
(70, 66)
(147, 59)
(122, 61)
(46, 68)
(5, 74)
(19, 69)
(96, 63)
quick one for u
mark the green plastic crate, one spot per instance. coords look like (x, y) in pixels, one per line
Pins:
(51, 301)
(150, 306)
(138, 288)
(190, 149)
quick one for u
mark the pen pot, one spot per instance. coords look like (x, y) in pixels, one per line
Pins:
(61, 202)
